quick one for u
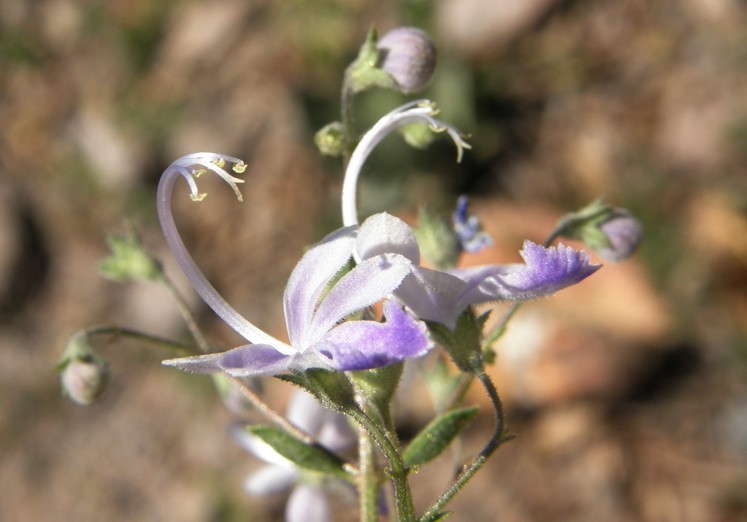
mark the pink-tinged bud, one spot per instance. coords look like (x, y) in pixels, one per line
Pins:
(85, 379)
(408, 55)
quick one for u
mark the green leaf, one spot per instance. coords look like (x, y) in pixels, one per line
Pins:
(437, 436)
(308, 456)
(129, 260)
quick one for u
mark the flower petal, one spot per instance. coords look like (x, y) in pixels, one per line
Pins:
(383, 233)
(360, 345)
(369, 282)
(307, 503)
(270, 480)
(311, 276)
(306, 412)
(546, 270)
(432, 295)
(249, 360)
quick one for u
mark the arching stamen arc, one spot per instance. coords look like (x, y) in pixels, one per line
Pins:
(202, 286)
(416, 111)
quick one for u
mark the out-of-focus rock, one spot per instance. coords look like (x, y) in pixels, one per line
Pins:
(477, 26)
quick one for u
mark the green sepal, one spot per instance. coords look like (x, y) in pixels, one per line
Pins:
(332, 389)
(442, 383)
(307, 456)
(464, 342)
(584, 225)
(436, 437)
(437, 241)
(364, 73)
(378, 387)
(129, 260)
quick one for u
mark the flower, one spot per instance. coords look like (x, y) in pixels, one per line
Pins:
(468, 229)
(441, 296)
(313, 311)
(307, 502)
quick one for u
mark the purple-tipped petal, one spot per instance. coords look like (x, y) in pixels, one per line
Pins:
(310, 278)
(360, 345)
(546, 270)
(369, 282)
(307, 503)
(383, 233)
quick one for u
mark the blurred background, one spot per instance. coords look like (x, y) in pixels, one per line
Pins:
(628, 393)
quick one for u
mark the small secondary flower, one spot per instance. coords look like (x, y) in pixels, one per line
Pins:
(307, 501)
(314, 312)
(468, 229)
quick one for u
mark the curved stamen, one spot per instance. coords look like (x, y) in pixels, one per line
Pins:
(189, 167)
(416, 111)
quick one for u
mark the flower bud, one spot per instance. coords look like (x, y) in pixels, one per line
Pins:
(408, 55)
(84, 374)
(613, 233)
(468, 228)
(623, 232)
(84, 380)
(330, 139)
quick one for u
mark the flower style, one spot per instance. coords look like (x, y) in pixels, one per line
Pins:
(307, 502)
(314, 312)
(441, 296)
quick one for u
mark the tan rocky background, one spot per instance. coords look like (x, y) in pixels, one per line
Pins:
(628, 393)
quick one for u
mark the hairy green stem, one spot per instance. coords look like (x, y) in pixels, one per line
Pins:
(499, 437)
(397, 471)
(368, 482)
(189, 318)
(117, 331)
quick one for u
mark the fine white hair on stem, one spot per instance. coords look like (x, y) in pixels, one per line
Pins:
(189, 167)
(423, 111)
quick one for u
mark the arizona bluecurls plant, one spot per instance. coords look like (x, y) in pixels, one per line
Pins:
(359, 305)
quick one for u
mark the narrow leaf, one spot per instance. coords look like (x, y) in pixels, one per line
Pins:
(307, 456)
(437, 436)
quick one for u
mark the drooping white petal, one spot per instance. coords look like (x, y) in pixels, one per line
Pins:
(270, 480)
(307, 503)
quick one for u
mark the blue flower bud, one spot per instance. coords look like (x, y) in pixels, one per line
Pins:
(408, 55)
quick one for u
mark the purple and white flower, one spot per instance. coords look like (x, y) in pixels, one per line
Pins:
(307, 501)
(441, 296)
(314, 307)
